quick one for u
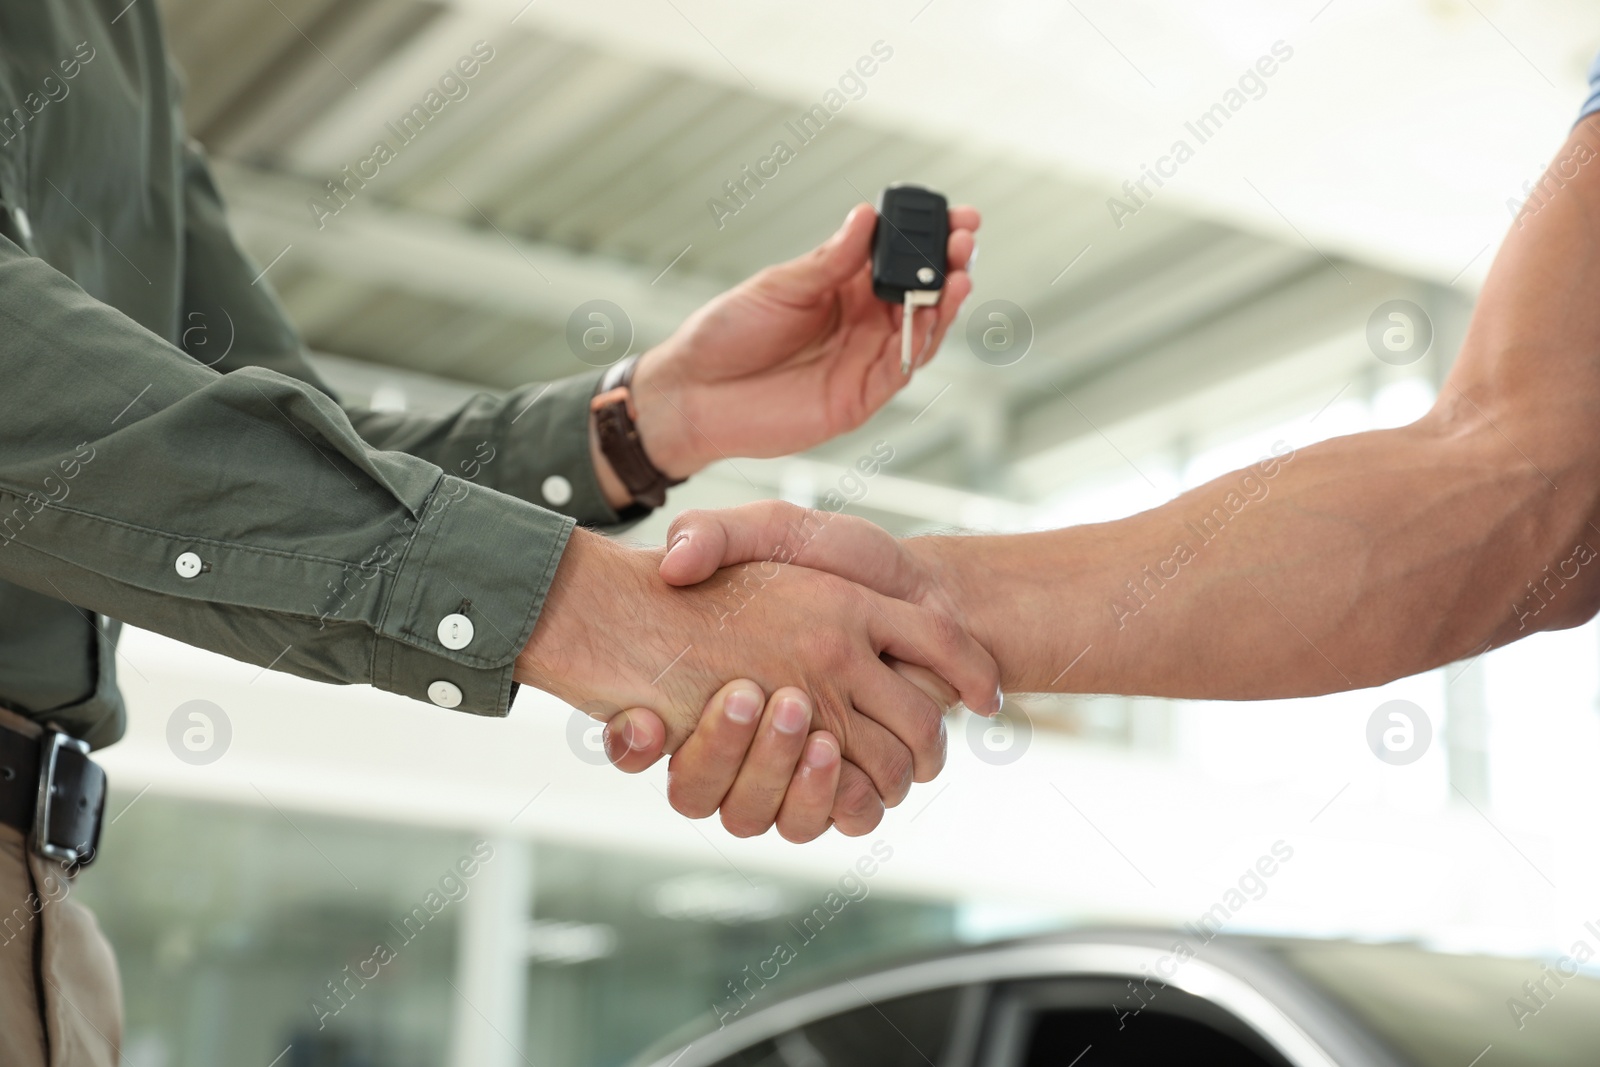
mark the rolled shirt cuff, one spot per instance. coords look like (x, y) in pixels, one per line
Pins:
(476, 572)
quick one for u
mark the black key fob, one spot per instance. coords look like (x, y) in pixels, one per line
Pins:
(908, 249)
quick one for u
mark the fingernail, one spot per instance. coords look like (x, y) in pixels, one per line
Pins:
(820, 753)
(677, 543)
(634, 736)
(792, 716)
(742, 706)
(999, 699)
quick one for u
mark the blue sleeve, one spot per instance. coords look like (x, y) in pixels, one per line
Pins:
(1591, 105)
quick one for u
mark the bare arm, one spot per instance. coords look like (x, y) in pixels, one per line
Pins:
(1343, 565)
(1358, 560)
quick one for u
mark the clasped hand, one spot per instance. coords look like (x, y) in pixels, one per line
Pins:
(859, 677)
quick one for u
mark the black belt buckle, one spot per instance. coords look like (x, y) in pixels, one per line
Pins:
(71, 803)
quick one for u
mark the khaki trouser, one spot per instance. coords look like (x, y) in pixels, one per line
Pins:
(60, 998)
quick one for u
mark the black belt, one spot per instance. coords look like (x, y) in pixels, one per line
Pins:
(52, 791)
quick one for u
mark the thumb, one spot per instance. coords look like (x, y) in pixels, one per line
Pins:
(634, 739)
(833, 262)
(697, 544)
(701, 542)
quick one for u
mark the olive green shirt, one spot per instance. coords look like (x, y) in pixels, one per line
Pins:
(225, 500)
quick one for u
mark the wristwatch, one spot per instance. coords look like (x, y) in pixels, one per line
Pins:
(615, 423)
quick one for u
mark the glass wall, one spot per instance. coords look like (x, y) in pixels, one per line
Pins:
(263, 935)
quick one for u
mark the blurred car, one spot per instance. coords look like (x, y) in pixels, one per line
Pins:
(1147, 998)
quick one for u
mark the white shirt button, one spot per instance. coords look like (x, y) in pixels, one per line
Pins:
(455, 631)
(557, 490)
(445, 694)
(187, 565)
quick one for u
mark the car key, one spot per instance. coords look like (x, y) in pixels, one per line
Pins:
(908, 253)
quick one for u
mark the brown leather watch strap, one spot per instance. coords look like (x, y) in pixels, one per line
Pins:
(614, 421)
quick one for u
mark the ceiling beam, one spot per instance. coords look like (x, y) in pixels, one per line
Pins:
(478, 268)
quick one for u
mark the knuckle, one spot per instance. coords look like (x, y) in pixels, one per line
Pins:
(742, 825)
(685, 800)
(828, 647)
(925, 740)
(685, 520)
(896, 768)
(947, 633)
(857, 798)
(777, 510)
(938, 752)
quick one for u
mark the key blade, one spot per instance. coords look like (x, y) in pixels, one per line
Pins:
(914, 298)
(905, 336)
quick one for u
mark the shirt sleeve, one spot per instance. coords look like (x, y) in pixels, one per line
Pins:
(1591, 105)
(532, 443)
(241, 512)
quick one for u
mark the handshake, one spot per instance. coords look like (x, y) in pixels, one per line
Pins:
(851, 651)
(845, 644)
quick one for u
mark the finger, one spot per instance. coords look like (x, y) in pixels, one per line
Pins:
(806, 806)
(959, 249)
(938, 690)
(847, 545)
(965, 217)
(903, 709)
(634, 739)
(885, 757)
(831, 263)
(699, 543)
(937, 642)
(857, 807)
(701, 772)
(752, 803)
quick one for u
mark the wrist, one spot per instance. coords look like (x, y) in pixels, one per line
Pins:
(664, 412)
(574, 652)
(967, 578)
(939, 560)
(611, 486)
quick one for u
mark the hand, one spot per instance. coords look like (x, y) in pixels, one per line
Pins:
(790, 358)
(702, 541)
(744, 764)
(612, 635)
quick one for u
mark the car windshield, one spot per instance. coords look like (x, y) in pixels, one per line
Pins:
(1441, 1010)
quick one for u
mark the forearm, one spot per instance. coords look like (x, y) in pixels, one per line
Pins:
(1360, 559)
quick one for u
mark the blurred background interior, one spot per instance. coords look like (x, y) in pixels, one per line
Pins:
(1225, 312)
